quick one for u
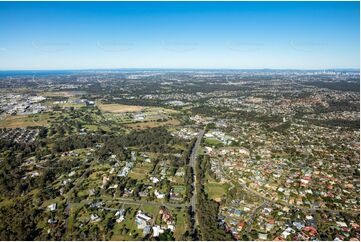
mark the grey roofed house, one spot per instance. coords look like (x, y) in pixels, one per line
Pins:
(238, 212)
(147, 230)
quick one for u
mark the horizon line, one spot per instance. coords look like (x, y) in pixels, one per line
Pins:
(181, 68)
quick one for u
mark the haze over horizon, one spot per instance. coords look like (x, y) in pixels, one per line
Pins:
(179, 35)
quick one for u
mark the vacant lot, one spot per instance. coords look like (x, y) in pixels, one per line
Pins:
(21, 121)
(216, 191)
(140, 171)
(119, 108)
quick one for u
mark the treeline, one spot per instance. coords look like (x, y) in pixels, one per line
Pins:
(138, 102)
(207, 210)
(337, 85)
(19, 220)
(345, 124)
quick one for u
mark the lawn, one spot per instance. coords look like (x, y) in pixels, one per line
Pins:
(72, 218)
(91, 127)
(181, 223)
(4, 202)
(68, 105)
(128, 223)
(140, 171)
(151, 210)
(57, 200)
(179, 189)
(83, 193)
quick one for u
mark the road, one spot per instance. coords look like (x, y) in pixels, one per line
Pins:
(193, 164)
(253, 214)
(139, 203)
(67, 213)
(68, 202)
(133, 202)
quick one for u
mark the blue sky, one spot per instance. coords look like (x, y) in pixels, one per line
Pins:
(82, 35)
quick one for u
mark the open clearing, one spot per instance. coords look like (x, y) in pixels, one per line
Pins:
(21, 121)
(212, 141)
(123, 108)
(214, 189)
(119, 108)
(140, 171)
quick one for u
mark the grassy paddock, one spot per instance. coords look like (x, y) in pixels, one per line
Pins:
(22, 121)
(216, 191)
(119, 108)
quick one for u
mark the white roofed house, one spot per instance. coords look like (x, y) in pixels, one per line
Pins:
(159, 195)
(139, 117)
(126, 169)
(95, 218)
(244, 151)
(52, 221)
(154, 180)
(157, 230)
(208, 150)
(134, 156)
(52, 207)
(142, 220)
(180, 172)
(120, 214)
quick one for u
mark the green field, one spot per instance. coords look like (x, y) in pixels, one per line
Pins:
(179, 189)
(140, 171)
(20, 121)
(215, 190)
(212, 141)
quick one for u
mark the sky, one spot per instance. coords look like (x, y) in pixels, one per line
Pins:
(235, 35)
